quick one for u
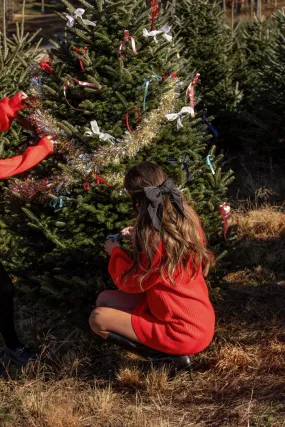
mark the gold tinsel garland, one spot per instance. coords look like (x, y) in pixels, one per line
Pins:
(95, 162)
(137, 140)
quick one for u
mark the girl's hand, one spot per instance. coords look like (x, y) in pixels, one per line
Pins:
(23, 95)
(110, 245)
(51, 138)
(127, 230)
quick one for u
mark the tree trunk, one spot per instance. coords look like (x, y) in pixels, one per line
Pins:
(251, 7)
(258, 9)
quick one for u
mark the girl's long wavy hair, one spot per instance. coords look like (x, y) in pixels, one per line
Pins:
(183, 240)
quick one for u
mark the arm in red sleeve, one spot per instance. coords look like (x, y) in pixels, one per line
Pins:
(31, 157)
(120, 263)
(9, 108)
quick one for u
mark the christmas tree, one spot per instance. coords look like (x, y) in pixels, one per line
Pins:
(256, 138)
(113, 93)
(267, 105)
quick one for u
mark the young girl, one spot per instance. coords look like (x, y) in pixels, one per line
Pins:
(14, 350)
(162, 310)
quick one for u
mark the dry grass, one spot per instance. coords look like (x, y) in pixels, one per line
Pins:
(238, 381)
(259, 245)
(264, 223)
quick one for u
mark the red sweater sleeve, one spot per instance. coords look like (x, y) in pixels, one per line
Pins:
(31, 157)
(9, 108)
(120, 263)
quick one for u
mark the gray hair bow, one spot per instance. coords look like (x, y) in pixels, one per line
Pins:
(154, 195)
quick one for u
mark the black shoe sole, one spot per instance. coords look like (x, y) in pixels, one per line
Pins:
(174, 368)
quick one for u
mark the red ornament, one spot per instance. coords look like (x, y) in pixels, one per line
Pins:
(99, 180)
(45, 65)
(165, 75)
(9, 108)
(155, 12)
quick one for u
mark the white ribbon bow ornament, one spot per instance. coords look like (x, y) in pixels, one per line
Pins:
(178, 116)
(164, 31)
(78, 13)
(96, 131)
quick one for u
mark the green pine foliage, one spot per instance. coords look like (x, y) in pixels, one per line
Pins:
(61, 250)
(267, 102)
(211, 48)
(256, 137)
(16, 55)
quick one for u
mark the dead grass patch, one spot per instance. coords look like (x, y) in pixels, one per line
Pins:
(258, 238)
(263, 223)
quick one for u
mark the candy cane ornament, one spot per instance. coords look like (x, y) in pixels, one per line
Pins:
(137, 118)
(155, 11)
(81, 52)
(190, 93)
(67, 84)
(127, 37)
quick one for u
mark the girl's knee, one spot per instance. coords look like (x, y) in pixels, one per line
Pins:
(96, 320)
(102, 300)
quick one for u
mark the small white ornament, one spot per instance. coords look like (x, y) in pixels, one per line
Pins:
(96, 131)
(78, 13)
(164, 31)
(178, 116)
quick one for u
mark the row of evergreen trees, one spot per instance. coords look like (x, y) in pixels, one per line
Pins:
(54, 243)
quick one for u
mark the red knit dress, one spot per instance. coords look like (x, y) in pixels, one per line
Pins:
(172, 319)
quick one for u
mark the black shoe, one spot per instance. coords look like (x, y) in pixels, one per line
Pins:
(19, 357)
(177, 362)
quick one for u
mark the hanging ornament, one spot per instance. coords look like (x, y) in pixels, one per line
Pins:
(225, 211)
(209, 160)
(184, 162)
(78, 13)
(178, 116)
(127, 37)
(190, 93)
(96, 131)
(137, 118)
(67, 84)
(58, 203)
(45, 65)
(146, 85)
(164, 31)
(155, 11)
(210, 126)
(165, 75)
(82, 52)
(99, 180)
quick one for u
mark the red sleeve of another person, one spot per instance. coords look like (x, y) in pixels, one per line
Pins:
(9, 108)
(31, 157)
